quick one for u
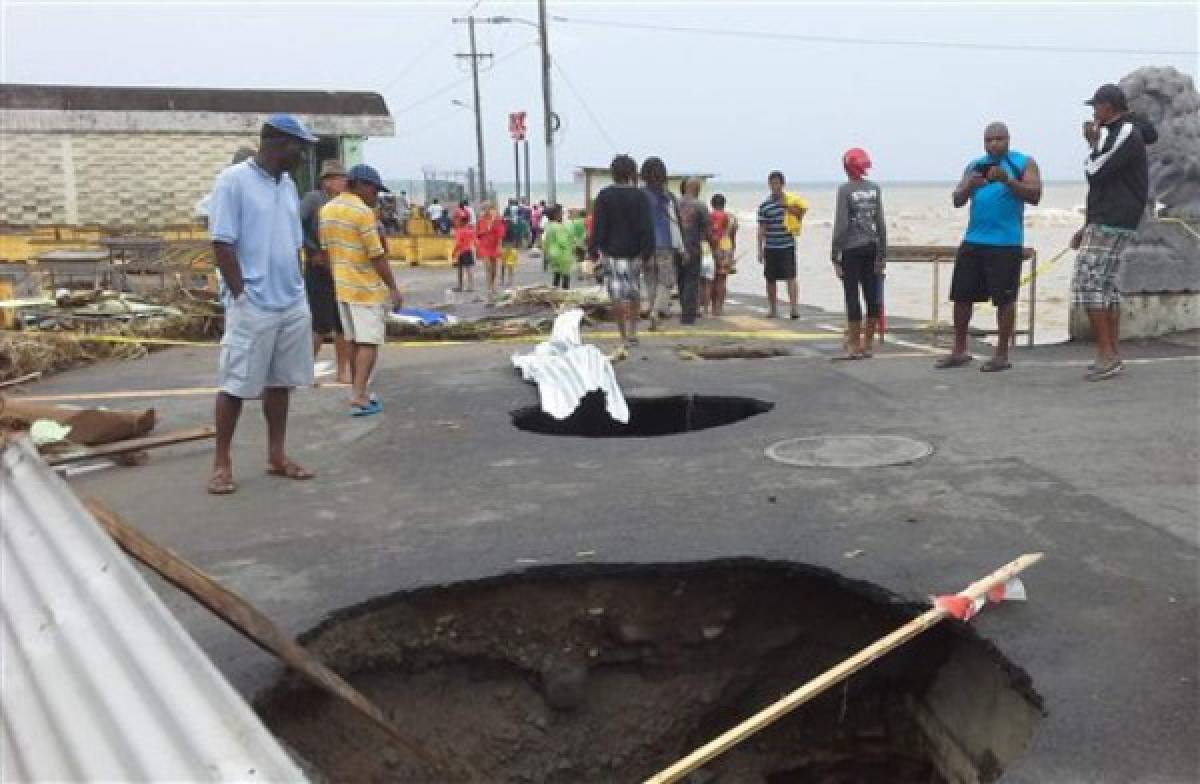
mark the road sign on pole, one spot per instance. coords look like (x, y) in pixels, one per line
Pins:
(516, 126)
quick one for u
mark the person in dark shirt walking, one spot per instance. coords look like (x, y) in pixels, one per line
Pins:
(1118, 189)
(622, 239)
(859, 251)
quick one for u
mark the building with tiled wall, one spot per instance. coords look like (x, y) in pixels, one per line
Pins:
(143, 157)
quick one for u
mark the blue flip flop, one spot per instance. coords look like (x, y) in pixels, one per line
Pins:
(372, 407)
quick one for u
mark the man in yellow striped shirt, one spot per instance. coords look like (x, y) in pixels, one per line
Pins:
(349, 233)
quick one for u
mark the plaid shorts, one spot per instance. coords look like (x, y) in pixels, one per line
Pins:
(623, 279)
(1096, 283)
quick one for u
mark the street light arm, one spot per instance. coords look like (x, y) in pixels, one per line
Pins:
(507, 20)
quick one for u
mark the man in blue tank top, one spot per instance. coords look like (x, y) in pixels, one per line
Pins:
(988, 266)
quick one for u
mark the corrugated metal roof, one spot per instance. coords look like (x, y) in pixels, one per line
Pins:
(100, 681)
(185, 99)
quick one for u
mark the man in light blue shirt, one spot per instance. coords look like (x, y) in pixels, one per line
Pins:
(266, 349)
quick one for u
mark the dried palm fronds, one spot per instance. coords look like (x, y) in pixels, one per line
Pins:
(22, 353)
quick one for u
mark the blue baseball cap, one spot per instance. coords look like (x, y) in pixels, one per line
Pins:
(364, 173)
(288, 124)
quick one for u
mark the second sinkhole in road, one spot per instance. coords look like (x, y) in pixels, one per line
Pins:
(605, 674)
(648, 416)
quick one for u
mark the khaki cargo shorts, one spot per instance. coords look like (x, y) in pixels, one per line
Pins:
(265, 348)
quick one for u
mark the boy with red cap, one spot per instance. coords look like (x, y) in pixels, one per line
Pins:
(859, 251)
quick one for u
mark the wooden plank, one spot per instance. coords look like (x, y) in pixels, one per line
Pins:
(834, 675)
(255, 626)
(12, 382)
(134, 445)
(927, 253)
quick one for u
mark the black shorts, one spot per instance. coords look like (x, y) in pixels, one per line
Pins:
(983, 272)
(779, 263)
(465, 259)
(322, 299)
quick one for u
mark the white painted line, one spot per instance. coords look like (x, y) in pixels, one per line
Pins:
(1086, 362)
(919, 347)
(729, 301)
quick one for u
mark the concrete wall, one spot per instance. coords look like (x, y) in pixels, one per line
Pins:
(135, 179)
(1146, 315)
(130, 179)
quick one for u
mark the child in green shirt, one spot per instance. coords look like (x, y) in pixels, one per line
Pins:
(558, 246)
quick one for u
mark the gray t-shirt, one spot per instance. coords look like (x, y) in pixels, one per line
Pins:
(310, 218)
(694, 224)
(858, 219)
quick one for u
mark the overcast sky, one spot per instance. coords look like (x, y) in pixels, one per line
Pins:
(737, 105)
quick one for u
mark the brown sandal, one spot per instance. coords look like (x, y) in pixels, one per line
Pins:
(290, 470)
(953, 361)
(221, 483)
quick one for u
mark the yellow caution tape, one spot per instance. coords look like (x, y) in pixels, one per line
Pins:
(777, 334)
(1180, 221)
(1045, 265)
(86, 337)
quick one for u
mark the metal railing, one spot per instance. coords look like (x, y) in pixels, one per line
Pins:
(936, 256)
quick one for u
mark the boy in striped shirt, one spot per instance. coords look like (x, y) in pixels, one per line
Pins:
(776, 245)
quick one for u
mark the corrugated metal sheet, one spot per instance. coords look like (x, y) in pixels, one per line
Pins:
(100, 681)
(565, 370)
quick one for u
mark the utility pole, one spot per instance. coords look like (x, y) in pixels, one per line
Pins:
(528, 181)
(550, 118)
(475, 57)
(517, 166)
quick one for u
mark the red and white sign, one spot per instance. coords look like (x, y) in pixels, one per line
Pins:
(516, 126)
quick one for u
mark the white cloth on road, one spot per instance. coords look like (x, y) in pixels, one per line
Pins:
(565, 369)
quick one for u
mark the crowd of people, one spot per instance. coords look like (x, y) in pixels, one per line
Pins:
(642, 242)
(647, 238)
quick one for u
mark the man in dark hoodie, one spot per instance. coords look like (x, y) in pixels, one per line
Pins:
(1118, 188)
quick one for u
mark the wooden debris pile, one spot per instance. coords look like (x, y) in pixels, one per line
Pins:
(178, 314)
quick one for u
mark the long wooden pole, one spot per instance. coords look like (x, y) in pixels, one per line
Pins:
(825, 680)
(257, 627)
(133, 445)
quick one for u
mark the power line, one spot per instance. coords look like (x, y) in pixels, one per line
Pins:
(828, 39)
(578, 96)
(410, 133)
(450, 86)
(421, 55)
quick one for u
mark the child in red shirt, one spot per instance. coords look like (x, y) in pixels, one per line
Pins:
(488, 236)
(464, 252)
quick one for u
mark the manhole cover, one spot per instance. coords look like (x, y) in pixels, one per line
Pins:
(849, 451)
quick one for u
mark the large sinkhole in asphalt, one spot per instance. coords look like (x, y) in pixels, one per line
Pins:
(648, 416)
(605, 674)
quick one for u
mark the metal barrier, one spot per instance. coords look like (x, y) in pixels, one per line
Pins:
(937, 255)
